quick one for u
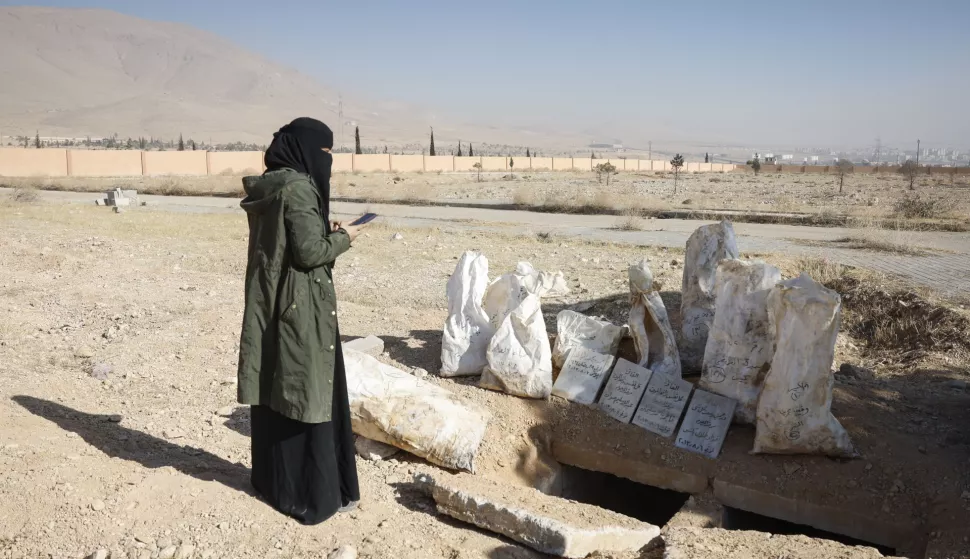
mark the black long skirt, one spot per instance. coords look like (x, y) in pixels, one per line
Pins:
(306, 470)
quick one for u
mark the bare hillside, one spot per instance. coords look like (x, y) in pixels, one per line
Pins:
(71, 72)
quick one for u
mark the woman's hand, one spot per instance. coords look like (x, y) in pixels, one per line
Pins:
(335, 226)
(353, 231)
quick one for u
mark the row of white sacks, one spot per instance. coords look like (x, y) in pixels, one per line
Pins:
(766, 343)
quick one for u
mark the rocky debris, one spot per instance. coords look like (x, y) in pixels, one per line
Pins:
(420, 373)
(397, 237)
(371, 345)
(116, 418)
(84, 352)
(958, 384)
(343, 552)
(856, 372)
(185, 551)
(97, 506)
(225, 411)
(690, 542)
(374, 450)
(99, 554)
(167, 552)
(547, 524)
(101, 371)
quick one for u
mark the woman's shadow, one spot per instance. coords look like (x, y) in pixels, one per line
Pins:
(151, 452)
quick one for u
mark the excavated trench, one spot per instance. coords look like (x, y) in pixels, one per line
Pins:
(658, 506)
(636, 500)
(737, 519)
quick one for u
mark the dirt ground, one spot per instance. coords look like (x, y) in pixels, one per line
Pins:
(865, 197)
(118, 343)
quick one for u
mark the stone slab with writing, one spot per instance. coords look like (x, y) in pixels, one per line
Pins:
(624, 390)
(583, 375)
(706, 423)
(662, 403)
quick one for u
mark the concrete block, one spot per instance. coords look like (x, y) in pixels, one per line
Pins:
(547, 524)
(371, 345)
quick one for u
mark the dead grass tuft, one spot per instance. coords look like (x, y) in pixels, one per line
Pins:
(630, 222)
(890, 318)
(25, 195)
(915, 207)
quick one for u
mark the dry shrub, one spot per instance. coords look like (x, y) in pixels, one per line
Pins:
(525, 196)
(917, 207)
(630, 222)
(25, 195)
(890, 318)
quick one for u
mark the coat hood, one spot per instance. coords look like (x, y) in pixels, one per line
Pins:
(263, 191)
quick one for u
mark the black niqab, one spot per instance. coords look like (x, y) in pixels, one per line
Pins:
(299, 146)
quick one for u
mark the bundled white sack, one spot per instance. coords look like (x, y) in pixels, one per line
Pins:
(507, 291)
(578, 330)
(653, 336)
(706, 247)
(467, 330)
(519, 356)
(740, 345)
(794, 411)
(391, 406)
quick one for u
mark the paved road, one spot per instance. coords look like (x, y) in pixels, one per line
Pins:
(944, 269)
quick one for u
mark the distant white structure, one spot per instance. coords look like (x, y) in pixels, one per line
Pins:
(787, 157)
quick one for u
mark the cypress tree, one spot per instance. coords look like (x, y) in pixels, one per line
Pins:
(431, 151)
(357, 140)
(37, 140)
(459, 148)
(470, 153)
(527, 154)
(181, 143)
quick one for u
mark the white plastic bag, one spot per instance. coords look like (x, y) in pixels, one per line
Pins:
(706, 247)
(795, 408)
(507, 291)
(578, 330)
(519, 356)
(396, 408)
(740, 345)
(467, 330)
(650, 326)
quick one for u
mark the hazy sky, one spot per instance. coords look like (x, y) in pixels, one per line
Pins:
(750, 72)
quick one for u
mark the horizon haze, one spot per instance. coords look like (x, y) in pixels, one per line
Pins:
(556, 76)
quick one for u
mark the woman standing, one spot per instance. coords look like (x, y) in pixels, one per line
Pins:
(291, 368)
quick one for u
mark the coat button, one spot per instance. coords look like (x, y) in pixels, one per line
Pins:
(331, 348)
(294, 306)
(329, 381)
(333, 313)
(317, 280)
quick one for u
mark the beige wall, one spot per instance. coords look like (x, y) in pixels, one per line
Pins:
(112, 163)
(407, 163)
(434, 163)
(97, 163)
(562, 163)
(542, 163)
(235, 162)
(175, 163)
(372, 163)
(495, 164)
(343, 162)
(466, 163)
(19, 162)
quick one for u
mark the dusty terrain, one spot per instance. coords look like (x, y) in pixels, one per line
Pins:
(868, 199)
(117, 363)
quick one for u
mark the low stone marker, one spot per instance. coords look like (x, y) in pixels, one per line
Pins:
(624, 390)
(371, 345)
(547, 524)
(662, 404)
(706, 423)
(583, 375)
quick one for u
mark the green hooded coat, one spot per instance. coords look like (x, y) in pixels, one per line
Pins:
(289, 330)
